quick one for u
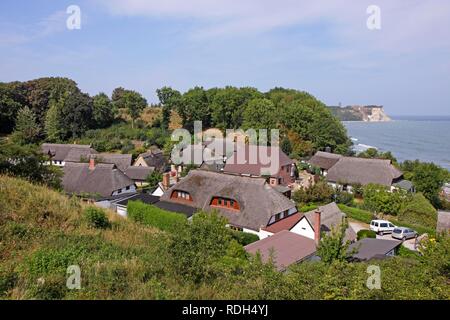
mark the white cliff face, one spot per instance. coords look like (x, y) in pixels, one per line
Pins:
(372, 114)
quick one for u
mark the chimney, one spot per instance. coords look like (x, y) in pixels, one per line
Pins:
(91, 163)
(166, 180)
(317, 225)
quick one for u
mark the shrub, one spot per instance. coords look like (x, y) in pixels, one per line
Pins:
(8, 280)
(320, 192)
(344, 197)
(418, 211)
(96, 218)
(244, 238)
(366, 234)
(308, 207)
(378, 199)
(357, 214)
(153, 216)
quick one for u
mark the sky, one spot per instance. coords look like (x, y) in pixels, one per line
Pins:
(324, 47)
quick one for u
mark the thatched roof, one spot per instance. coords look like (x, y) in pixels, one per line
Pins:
(59, 152)
(351, 170)
(258, 201)
(138, 173)
(324, 160)
(256, 166)
(103, 180)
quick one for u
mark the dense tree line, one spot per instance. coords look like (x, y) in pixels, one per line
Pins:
(305, 123)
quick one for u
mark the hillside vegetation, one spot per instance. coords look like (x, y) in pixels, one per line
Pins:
(43, 232)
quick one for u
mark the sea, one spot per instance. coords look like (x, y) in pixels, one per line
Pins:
(426, 138)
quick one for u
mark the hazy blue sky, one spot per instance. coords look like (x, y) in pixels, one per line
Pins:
(323, 47)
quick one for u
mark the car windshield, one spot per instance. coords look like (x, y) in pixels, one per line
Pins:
(397, 231)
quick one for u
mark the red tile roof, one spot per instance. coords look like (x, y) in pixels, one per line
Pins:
(285, 224)
(287, 247)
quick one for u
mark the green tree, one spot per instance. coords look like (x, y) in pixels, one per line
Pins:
(260, 113)
(428, 178)
(168, 98)
(9, 107)
(194, 106)
(135, 103)
(154, 178)
(103, 111)
(51, 126)
(116, 97)
(332, 247)
(27, 130)
(320, 192)
(379, 199)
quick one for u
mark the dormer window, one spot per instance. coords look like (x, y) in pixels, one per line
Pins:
(225, 203)
(181, 195)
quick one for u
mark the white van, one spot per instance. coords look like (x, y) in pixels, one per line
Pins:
(381, 226)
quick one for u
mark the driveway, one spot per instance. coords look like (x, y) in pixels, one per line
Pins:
(357, 225)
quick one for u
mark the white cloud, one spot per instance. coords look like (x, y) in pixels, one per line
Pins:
(406, 25)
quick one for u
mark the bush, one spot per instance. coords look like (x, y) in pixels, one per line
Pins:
(418, 211)
(153, 216)
(357, 214)
(96, 218)
(8, 280)
(244, 238)
(378, 199)
(308, 207)
(344, 197)
(320, 192)
(366, 234)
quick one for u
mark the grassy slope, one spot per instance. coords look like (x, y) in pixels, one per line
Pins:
(43, 232)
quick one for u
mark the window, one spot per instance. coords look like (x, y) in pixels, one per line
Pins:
(128, 188)
(119, 191)
(181, 195)
(219, 202)
(391, 225)
(277, 216)
(231, 203)
(383, 225)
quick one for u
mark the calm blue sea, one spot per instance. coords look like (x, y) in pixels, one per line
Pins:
(407, 137)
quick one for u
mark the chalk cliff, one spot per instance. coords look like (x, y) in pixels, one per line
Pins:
(360, 113)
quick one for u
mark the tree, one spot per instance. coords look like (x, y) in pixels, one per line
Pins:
(428, 178)
(418, 210)
(27, 130)
(373, 153)
(134, 102)
(29, 163)
(153, 179)
(260, 113)
(51, 126)
(377, 198)
(194, 106)
(168, 97)
(332, 247)
(117, 96)
(320, 192)
(9, 106)
(103, 111)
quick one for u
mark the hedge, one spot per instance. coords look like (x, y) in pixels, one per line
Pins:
(153, 216)
(366, 234)
(244, 238)
(357, 214)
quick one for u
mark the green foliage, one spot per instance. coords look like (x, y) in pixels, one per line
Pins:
(373, 153)
(366, 234)
(320, 192)
(168, 99)
(344, 197)
(428, 178)
(308, 207)
(378, 199)
(418, 210)
(27, 130)
(28, 162)
(244, 238)
(51, 125)
(153, 216)
(96, 218)
(260, 113)
(103, 111)
(135, 103)
(332, 246)
(10, 104)
(43, 232)
(357, 214)
(153, 179)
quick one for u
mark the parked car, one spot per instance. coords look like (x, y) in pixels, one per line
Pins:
(403, 233)
(381, 226)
